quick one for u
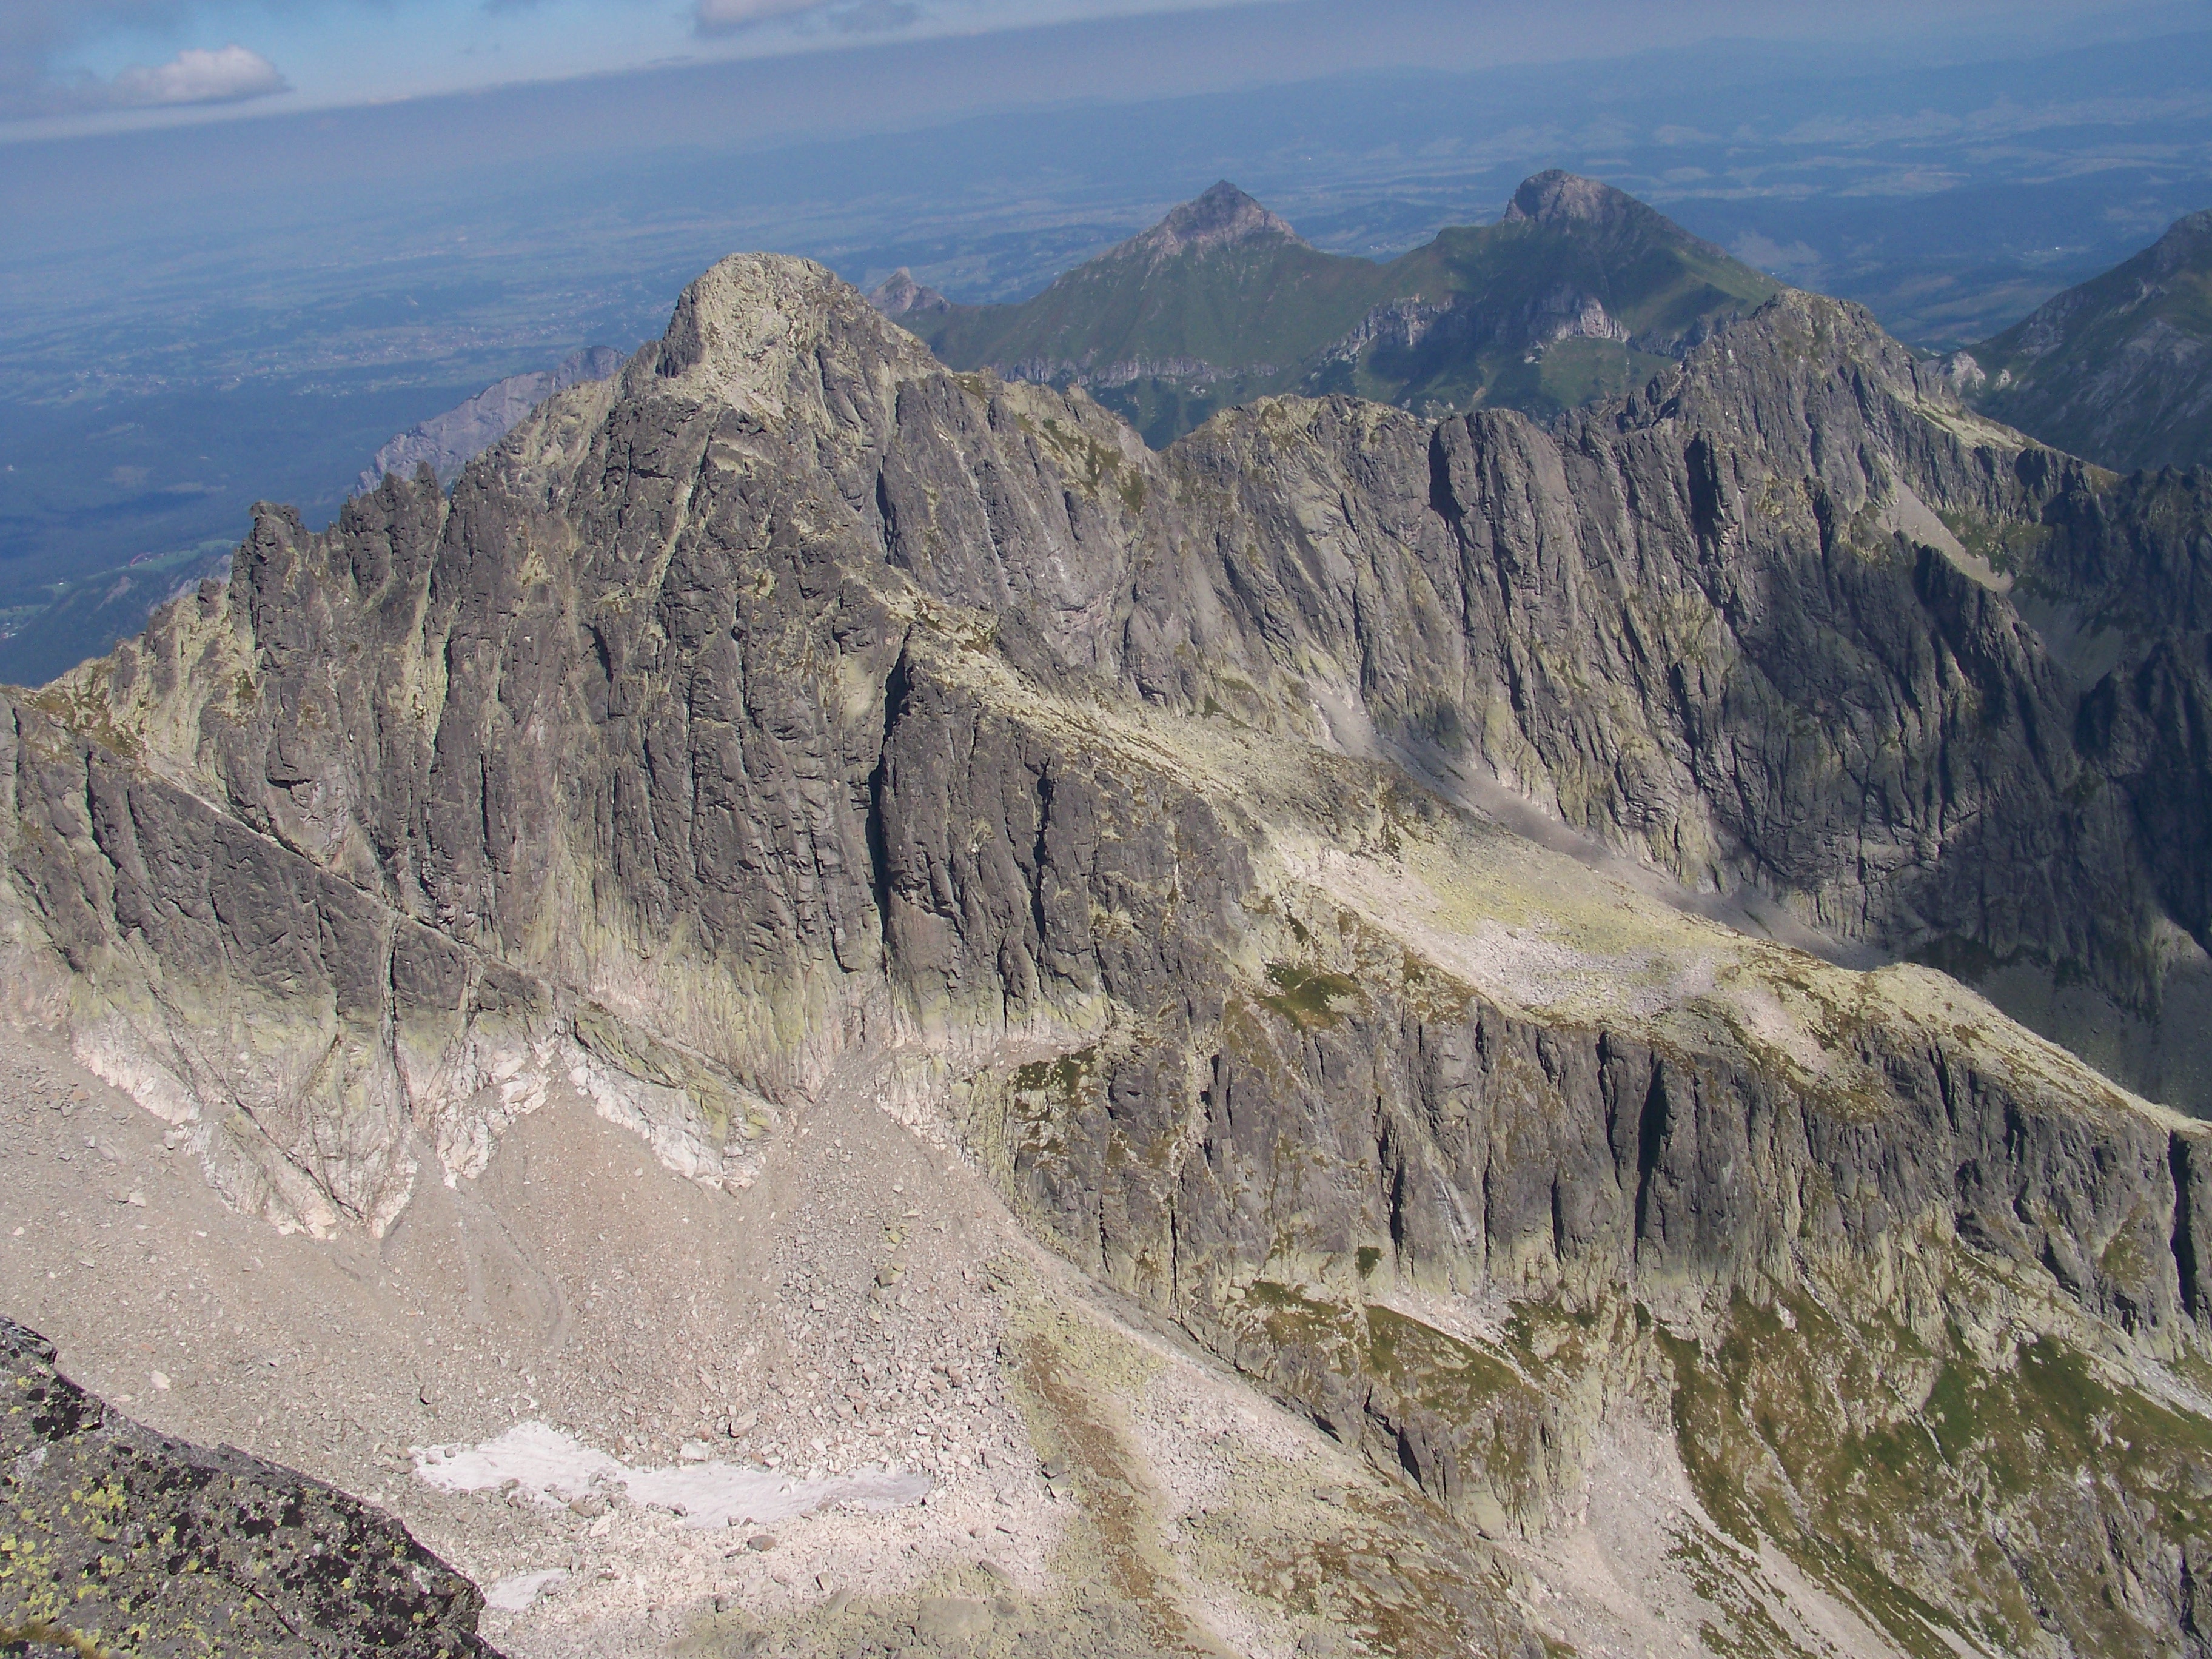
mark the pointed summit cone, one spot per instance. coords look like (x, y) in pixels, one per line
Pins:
(1592, 211)
(1224, 217)
(899, 296)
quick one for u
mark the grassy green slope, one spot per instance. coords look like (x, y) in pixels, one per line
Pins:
(1215, 319)
(1506, 283)
(1260, 304)
(2119, 369)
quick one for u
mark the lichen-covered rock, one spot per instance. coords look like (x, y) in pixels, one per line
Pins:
(119, 1541)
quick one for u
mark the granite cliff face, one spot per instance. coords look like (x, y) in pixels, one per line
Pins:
(1303, 866)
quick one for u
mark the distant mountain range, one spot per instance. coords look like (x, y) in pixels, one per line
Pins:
(449, 442)
(1578, 292)
(2118, 370)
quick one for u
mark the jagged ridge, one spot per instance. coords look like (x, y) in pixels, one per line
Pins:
(791, 703)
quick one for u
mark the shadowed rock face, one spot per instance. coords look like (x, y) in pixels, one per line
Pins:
(122, 1540)
(791, 707)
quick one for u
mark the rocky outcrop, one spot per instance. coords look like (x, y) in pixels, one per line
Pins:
(1225, 216)
(1557, 197)
(792, 705)
(1411, 326)
(898, 295)
(122, 1540)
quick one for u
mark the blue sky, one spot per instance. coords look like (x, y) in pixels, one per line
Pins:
(77, 65)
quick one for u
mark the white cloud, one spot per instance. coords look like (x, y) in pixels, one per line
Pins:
(41, 74)
(229, 75)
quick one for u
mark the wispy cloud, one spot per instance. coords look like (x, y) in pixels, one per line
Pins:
(224, 75)
(716, 17)
(727, 17)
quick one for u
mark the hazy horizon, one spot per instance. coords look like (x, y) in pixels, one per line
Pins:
(71, 68)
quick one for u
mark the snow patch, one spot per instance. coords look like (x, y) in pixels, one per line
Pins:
(555, 1467)
(516, 1594)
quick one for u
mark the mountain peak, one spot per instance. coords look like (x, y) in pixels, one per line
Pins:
(2186, 245)
(1224, 217)
(1561, 198)
(899, 296)
(2115, 370)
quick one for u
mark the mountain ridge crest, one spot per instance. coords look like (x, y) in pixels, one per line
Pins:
(1580, 292)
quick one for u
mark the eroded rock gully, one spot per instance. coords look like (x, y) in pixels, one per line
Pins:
(789, 704)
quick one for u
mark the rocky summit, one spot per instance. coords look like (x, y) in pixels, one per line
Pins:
(1369, 1031)
(1222, 217)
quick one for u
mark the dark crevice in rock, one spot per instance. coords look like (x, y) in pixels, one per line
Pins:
(1040, 865)
(896, 688)
(1708, 500)
(1651, 1126)
(1442, 501)
(2182, 1160)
